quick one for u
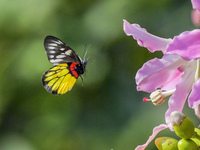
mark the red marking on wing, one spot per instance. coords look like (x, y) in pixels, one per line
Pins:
(72, 69)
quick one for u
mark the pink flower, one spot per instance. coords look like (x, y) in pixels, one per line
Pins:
(196, 4)
(176, 73)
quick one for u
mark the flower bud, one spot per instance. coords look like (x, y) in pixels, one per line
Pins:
(187, 144)
(196, 137)
(166, 143)
(182, 125)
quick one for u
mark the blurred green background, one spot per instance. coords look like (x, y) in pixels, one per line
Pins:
(106, 112)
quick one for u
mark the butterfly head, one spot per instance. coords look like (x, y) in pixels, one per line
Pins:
(84, 63)
(81, 67)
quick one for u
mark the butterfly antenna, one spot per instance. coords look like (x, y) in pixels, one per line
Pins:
(86, 50)
(91, 58)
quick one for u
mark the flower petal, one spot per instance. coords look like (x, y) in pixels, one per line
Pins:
(186, 45)
(195, 15)
(197, 111)
(196, 4)
(156, 73)
(151, 42)
(156, 130)
(194, 98)
(177, 100)
(173, 79)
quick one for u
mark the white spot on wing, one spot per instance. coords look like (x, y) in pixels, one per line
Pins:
(60, 56)
(68, 52)
(58, 42)
(51, 47)
(56, 60)
(62, 49)
(52, 52)
(51, 56)
(52, 44)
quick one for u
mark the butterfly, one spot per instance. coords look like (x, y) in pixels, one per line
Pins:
(68, 66)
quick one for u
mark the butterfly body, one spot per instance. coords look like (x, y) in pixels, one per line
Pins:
(68, 66)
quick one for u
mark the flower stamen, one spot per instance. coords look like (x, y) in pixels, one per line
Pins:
(158, 97)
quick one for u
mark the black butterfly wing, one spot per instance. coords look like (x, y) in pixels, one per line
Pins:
(58, 52)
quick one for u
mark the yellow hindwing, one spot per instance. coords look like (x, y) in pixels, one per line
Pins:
(58, 80)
